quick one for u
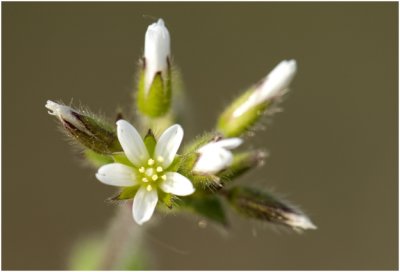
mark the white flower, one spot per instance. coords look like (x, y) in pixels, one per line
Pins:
(276, 82)
(215, 156)
(150, 173)
(156, 51)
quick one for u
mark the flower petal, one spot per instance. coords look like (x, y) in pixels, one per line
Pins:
(144, 204)
(177, 184)
(131, 143)
(212, 160)
(230, 143)
(168, 145)
(116, 174)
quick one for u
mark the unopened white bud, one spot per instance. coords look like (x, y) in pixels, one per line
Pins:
(156, 51)
(274, 84)
(66, 115)
(216, 156)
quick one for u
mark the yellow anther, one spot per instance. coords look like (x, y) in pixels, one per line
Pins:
(145, 180)
(141, 169)
(159, 169)
(160, 159)
(149, 188)
(164, 177)
(150, 162)
(154, 177)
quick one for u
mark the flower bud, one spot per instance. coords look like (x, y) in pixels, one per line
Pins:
(248, 108)
(242, 163)
(156, 51)
(265, 206)
(90, 132)
(216, 156)
(154, 92)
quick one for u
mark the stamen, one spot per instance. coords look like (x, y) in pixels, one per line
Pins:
(160, 159)
(141, 169)
(164, 177)
(150, 162)
(145, 180)
(159, 169)
(154, 177)
(149, 188)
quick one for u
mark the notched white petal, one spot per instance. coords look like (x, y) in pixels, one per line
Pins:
(144, 205)
(131, 143)
(116, 174)
(168, 145)
(177, 184)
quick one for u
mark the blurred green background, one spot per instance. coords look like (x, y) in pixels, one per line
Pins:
(333, 149)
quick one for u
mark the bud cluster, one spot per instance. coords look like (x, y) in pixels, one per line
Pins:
(150, 170)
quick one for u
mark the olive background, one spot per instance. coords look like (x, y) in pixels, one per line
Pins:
(333, 150)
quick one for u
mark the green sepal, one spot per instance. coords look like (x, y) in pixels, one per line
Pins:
(231, 126)
(205, 182)
(107, 141)
(89, 130)
(156, 101)
(120, 157)
(97, 159)
(241, 164)
(262, 205)
(176, 164)
(150, 142)
(200, 141)
(167, 199)
(125, 193)
(199, 180)
(207, 206)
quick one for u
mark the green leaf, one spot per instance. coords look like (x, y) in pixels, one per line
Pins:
(208, 206)
(86, 254)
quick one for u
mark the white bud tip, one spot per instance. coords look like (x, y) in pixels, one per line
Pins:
(278, 79)
(274, 84)
(57, 109)
(64, 113)
(156, 50)
(300, 221)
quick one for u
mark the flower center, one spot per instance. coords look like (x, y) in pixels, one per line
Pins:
(151, 174)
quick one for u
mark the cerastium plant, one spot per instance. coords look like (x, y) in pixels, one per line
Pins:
(152, 168)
